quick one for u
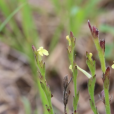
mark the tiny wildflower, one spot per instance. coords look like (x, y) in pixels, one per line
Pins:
(69, 41)
(112, 65)
(70, 67)
(41, 51)
(90, 56)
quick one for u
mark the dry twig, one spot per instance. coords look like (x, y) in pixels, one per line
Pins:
(66, 92)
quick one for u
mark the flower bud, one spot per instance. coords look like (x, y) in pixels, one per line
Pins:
(106, 78)
(33, 48)
(102, 44)
(112, 65)
(94, 30)
(71, 34)
(89, 56)
(107, 73)
(89, 26)
(75, 112)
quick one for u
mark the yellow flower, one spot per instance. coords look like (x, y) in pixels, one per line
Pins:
(90, 56)
(69, 41)
(70, 67)
(112, 65)
(41, 51)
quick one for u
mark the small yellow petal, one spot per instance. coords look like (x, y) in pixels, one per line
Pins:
(41, 51)
(45, 52)
(67, 37)
(90, 56)
(113, 66)
(40, 48)
(69, 41)
(70, 67)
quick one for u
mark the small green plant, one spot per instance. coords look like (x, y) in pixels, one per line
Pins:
(42, 80)
(73, 67)
(100, 46)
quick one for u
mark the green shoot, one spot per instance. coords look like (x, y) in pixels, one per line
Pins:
(41, 69)
(100, 46)
(91, 84)
(73, 67)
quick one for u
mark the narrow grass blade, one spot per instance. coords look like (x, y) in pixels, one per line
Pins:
(10, 16)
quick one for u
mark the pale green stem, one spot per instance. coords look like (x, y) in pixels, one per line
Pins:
(101, 55)
(107, 103)
(75, 85)
(103, 67)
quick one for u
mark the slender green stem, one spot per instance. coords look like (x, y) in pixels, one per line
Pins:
(50, 104)
(42, 96)
(75, 84)
(107, 103)
(76, 97)
(91, 83)
(71, 46)
(100, 46)
(42, 84)
(100, 54)
(91, 86)
(48, 95)
(103, 67)
(38, 86)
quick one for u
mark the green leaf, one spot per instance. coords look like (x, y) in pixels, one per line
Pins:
(83, 71)
(27, 106)
(10, 16)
